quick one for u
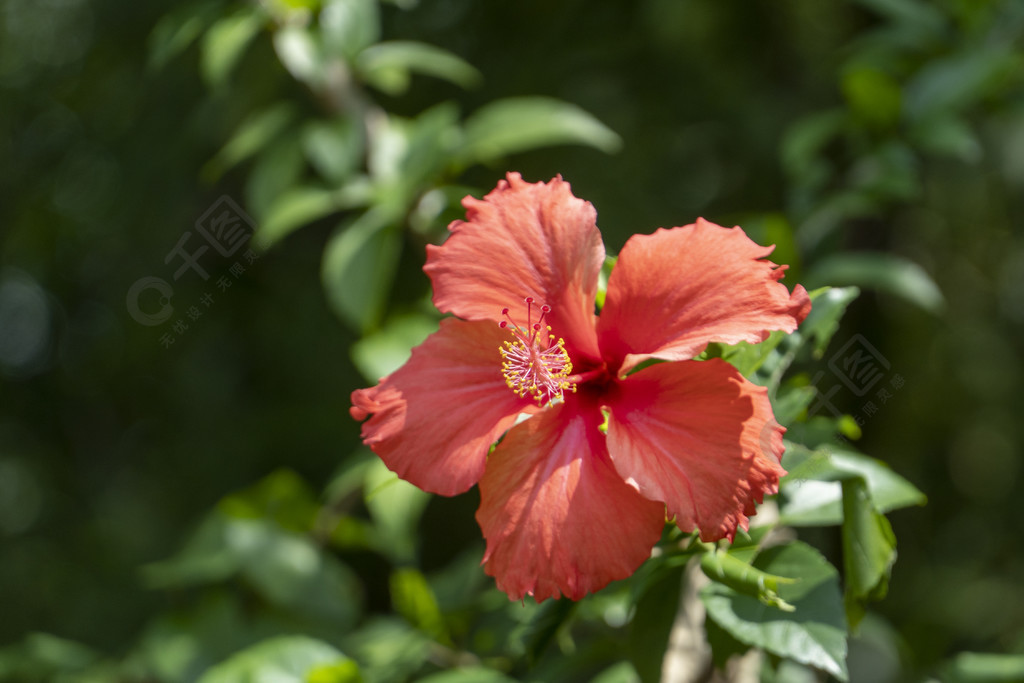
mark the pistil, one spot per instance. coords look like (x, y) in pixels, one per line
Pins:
(535, 362)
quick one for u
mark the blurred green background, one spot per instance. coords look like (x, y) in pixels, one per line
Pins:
(878, 143)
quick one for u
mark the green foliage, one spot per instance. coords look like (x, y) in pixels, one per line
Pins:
(813, 632)
(656, 609)
(286, 659)
(877, 143)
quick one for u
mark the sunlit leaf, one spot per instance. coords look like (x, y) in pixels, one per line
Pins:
(359, 262)
(472, 674)
(286, 659)
(335, 147)
(413, 598)
(388, 648)
(827, 307)
(513, 125)
(869, 550)
(747, 358)
(812, 494)
(387, 66)
(296, 207)
(621, 672)
(385, 350)
(348, 27)
(285, 568)
(813, 634)
(873, 95)
(282, 496)
(225, 43)
(978, 667)
(396, 507)
(299, 53)
(885, 272)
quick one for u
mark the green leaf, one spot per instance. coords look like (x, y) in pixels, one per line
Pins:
(343, 671)
(873, 95)
(974, 667)
(413, 598)
(278, 167)
(620, 672)
(388, 648)
(828, 305)
(44, 657)
(948, 136)
(395, 506)
(387, 66)
(812, 495)
(884, 272)
(386, 350)
(253, 134)
(954, 83)
(359, 263)
(545, 624)
(869, 550)
(175, 31)
(428, 141)
(299, 54)
(285, 568)
(335, 148)
(518, 124)
(282, 497)
(652, 624)
(813, 634)
(225, 43)
(182, 644)
(347, 27)
(293, 209)
(806, 139)
(747, 358)
(472, 674)
(286, 659)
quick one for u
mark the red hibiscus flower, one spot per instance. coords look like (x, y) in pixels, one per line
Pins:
(576, 495)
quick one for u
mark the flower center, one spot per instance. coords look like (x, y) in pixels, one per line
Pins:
(535, 362)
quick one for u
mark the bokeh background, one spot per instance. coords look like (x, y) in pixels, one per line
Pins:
(878, 143)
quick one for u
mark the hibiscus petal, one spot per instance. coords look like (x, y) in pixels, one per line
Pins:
(699, 437)
(673, 292)
(557, 517)
(434, 419)
(523, 240)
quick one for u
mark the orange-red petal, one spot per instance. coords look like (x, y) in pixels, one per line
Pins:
(557, 517)
(523, 240)
(433, 420)
(673, 292)
(699, 437)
